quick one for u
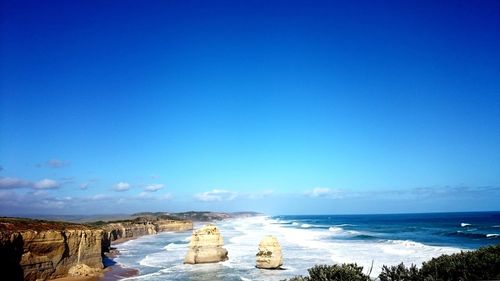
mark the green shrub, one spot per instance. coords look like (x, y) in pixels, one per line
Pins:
(344, 272)
(400, 273)
(482, 264)
(298, 278)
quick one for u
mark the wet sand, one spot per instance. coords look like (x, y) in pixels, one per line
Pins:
(117, 272)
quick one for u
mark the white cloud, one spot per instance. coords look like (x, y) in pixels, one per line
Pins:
(84, 186)
(325, 192)
(153, 187)
(122, 186)
(46, 184)
(11, 183)
(216, 195)
(35, 200)
(149, 196)
(99, 197)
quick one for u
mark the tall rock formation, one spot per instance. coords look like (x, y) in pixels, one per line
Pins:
(269, 255)
(206, 246)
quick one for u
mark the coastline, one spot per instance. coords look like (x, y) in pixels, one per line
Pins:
(306, 241)
(334, 237)
(114, 271)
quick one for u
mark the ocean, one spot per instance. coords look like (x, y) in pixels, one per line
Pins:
(307, 240)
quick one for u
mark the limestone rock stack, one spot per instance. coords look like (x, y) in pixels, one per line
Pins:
(269, 255)
(206, 246)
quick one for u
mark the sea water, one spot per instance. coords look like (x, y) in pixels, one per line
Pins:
(368, 240)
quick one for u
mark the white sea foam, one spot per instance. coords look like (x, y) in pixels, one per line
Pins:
(305, 225)
(174, 246)
(465, 224)
(492, 235)
(336, 229)
(343, 225)
(151, 261)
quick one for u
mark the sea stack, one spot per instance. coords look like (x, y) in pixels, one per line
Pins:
(269, 255)
(206, 246)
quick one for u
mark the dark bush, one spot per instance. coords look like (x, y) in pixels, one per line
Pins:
(298, 278)
(344, 272)
(482, 264)
(400, 273)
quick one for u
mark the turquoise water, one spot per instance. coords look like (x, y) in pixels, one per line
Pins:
(309, 240)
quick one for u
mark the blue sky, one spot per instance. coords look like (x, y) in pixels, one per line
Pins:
(284, 107)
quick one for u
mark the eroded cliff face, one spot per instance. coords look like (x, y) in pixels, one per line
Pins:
(32, 255)
(39, 250)
(171, 225)
(116, 231)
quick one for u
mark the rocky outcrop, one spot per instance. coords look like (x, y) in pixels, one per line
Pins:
(269, 255)
(40, 255)
(140, 227)
(82, 270)
(206, 246)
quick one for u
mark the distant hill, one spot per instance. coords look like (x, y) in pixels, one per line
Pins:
(200, 216)
(191, 215)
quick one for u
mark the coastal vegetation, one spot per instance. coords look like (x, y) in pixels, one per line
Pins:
(481, 264)
(343, 272)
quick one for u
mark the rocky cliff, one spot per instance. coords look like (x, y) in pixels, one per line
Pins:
(30, 251)
(42, 250)
(140, 227)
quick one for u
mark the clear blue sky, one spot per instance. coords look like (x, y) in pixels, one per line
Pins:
(283, 107)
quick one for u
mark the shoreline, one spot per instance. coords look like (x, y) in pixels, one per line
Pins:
(113, 270)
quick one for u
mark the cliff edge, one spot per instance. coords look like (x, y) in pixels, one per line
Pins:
(33, 250)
